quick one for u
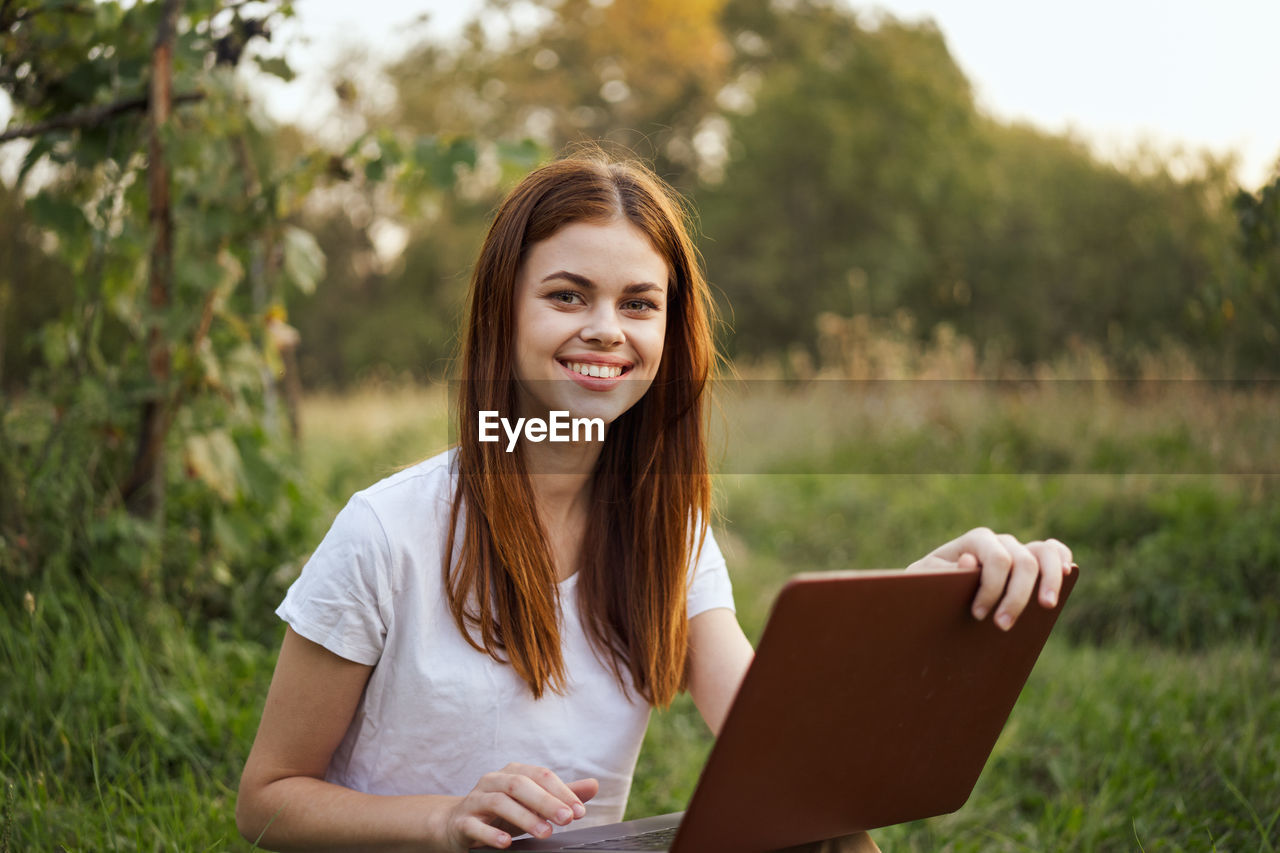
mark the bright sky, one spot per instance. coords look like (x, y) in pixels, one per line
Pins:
(1188, 73)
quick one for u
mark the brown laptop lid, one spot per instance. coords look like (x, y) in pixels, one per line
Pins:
(875, 698)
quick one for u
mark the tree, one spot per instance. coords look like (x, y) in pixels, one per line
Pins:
(864, 180)
(642, 75)
(848, 164)
(145, 438)
(1257, 291)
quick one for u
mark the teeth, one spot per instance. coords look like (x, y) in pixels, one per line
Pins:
(598, 370)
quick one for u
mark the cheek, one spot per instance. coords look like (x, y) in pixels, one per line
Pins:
(659, 347)
(652, 341)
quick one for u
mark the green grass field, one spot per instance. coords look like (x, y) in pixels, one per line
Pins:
(1151, 722)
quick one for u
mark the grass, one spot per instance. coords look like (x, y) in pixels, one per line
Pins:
(124, 728)
(1149, 722)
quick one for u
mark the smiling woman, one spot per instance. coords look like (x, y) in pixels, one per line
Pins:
(523, 604)
(474, 649)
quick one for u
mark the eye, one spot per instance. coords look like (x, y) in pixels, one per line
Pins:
(567, 297)
(639, 305)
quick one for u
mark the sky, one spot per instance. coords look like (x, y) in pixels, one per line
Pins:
(1173, 74)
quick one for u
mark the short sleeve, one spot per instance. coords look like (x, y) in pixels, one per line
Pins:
(709, 585)
(340, 599)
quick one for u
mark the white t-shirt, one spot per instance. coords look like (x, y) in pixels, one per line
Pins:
(437, 714)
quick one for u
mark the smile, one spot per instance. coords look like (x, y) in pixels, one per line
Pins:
(602, 371)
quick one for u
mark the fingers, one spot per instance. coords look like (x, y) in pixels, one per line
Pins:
(1022, 576)
(523, 798)
(585, 789)
(983, 545)
(1009, 571)
(1055, 564)
(476, 832)
(560, 796)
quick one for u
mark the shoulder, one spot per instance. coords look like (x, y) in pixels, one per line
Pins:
(400, 514)
(384, 536)
(421, 488)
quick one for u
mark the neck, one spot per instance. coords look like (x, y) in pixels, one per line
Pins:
(560, 476)
(560, 472)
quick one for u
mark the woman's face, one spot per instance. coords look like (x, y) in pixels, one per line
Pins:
(591, 318)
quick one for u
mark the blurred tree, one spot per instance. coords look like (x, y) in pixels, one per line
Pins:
(862, 179)
(851, 162)
(643, 75)
(46, 288)
(841, 168)
(154, 244)
(1061, 247)
(1257, 292)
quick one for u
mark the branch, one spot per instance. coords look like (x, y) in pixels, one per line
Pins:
(145, 488)
(28, 14)
(91, 117)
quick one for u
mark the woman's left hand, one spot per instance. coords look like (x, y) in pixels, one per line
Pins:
(1010, 570)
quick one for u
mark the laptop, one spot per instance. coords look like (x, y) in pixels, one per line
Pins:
(874, 698)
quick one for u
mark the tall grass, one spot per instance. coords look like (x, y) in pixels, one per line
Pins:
(124, 726)
(1149, 722)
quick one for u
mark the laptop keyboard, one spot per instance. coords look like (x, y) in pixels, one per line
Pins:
(658, 839)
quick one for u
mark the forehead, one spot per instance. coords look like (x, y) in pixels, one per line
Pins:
(613, 251)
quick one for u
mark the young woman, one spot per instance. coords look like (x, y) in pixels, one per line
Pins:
(473, 650)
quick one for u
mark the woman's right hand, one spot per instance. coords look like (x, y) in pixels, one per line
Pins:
(518, 798)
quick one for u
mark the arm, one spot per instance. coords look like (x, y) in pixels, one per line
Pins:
(284, 800)
(285, 804)
(719, 654)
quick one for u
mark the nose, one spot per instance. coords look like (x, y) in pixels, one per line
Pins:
(602, 327)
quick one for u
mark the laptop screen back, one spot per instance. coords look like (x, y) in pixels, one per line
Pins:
(874, 698)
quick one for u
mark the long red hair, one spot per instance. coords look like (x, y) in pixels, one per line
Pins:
(650, 484)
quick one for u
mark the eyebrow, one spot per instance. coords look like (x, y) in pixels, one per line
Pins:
(583, 281)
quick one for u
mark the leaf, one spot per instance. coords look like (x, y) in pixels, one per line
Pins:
(463, 151)
(303, 259)
(438, 161)
(276, 66)
(59, 215)
(58, 343)
(213, 458)
(42, 146)
(232, 274)
(524, 154)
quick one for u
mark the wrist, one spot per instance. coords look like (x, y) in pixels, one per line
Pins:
(438, 811)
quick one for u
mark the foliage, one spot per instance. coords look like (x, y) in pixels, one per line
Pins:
(863, 180)
(118, 361)
(640, 75)
(1258, 293)
(23, 259)
(841, 169)
(845, 168)
(637, 76)
(135, 361)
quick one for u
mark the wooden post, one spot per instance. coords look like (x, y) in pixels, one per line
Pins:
(144, 490)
